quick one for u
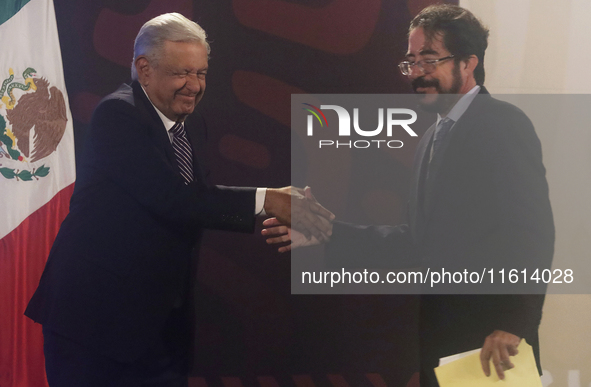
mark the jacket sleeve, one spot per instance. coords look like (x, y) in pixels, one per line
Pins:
(526, 236)
(122, 150)
(526, 239)
(383, 246)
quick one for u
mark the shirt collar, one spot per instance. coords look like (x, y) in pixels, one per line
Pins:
(168, 123)
(462, 105)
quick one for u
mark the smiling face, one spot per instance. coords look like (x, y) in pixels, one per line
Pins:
(448, 77)
(176, 83)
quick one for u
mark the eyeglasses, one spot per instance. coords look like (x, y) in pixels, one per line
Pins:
(426, 66)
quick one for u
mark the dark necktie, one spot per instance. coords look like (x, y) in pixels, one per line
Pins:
(182, 151)
(444, 127)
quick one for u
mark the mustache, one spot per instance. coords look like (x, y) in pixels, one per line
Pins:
(423, 83)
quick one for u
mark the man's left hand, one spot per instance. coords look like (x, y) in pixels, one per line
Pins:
(498, 346)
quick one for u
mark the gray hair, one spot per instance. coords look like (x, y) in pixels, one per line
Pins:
(172, 27)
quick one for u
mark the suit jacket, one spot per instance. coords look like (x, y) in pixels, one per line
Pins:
(121, 259)
(484, 204)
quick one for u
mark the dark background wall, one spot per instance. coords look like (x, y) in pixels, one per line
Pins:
(249, 325)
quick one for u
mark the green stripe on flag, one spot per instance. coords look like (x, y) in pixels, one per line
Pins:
(9, 8)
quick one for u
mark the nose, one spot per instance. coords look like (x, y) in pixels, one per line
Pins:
(195, 84)
(415, 72)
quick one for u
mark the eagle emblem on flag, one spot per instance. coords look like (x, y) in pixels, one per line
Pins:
(32, 123)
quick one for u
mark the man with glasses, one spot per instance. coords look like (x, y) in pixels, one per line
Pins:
(483, 193)
(478, 195)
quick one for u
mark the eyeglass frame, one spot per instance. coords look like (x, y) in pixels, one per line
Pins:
(420, 63)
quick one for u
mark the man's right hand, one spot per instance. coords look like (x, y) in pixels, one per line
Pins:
(294, 209)
(497, 347)
(278, 232)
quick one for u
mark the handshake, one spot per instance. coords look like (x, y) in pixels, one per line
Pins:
(297, 218)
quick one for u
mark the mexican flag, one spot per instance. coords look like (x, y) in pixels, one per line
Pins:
(37, 175)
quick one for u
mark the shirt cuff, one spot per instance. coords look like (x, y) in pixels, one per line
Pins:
(259, 206)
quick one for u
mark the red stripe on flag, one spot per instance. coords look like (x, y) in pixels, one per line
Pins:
(23, 253)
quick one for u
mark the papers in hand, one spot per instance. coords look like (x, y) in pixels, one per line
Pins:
(464, 370)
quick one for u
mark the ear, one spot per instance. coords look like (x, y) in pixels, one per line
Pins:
(470, 64)
(144, 70)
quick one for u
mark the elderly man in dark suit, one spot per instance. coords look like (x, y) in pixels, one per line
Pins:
(113, 298)
(478, 197)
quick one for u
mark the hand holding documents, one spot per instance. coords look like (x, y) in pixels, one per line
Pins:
(466, 371)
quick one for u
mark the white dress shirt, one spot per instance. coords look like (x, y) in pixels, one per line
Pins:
(261, 193)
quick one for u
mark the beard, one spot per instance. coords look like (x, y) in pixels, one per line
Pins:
(445, 98)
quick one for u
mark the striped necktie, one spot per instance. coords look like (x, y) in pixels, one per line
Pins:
(182, 151)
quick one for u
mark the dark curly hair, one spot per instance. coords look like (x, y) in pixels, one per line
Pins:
(463, 34)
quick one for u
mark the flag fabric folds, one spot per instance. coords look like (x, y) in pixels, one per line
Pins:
(37, 175)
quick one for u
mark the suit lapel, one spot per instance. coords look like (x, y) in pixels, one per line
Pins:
(158, 130)
(452, 144)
